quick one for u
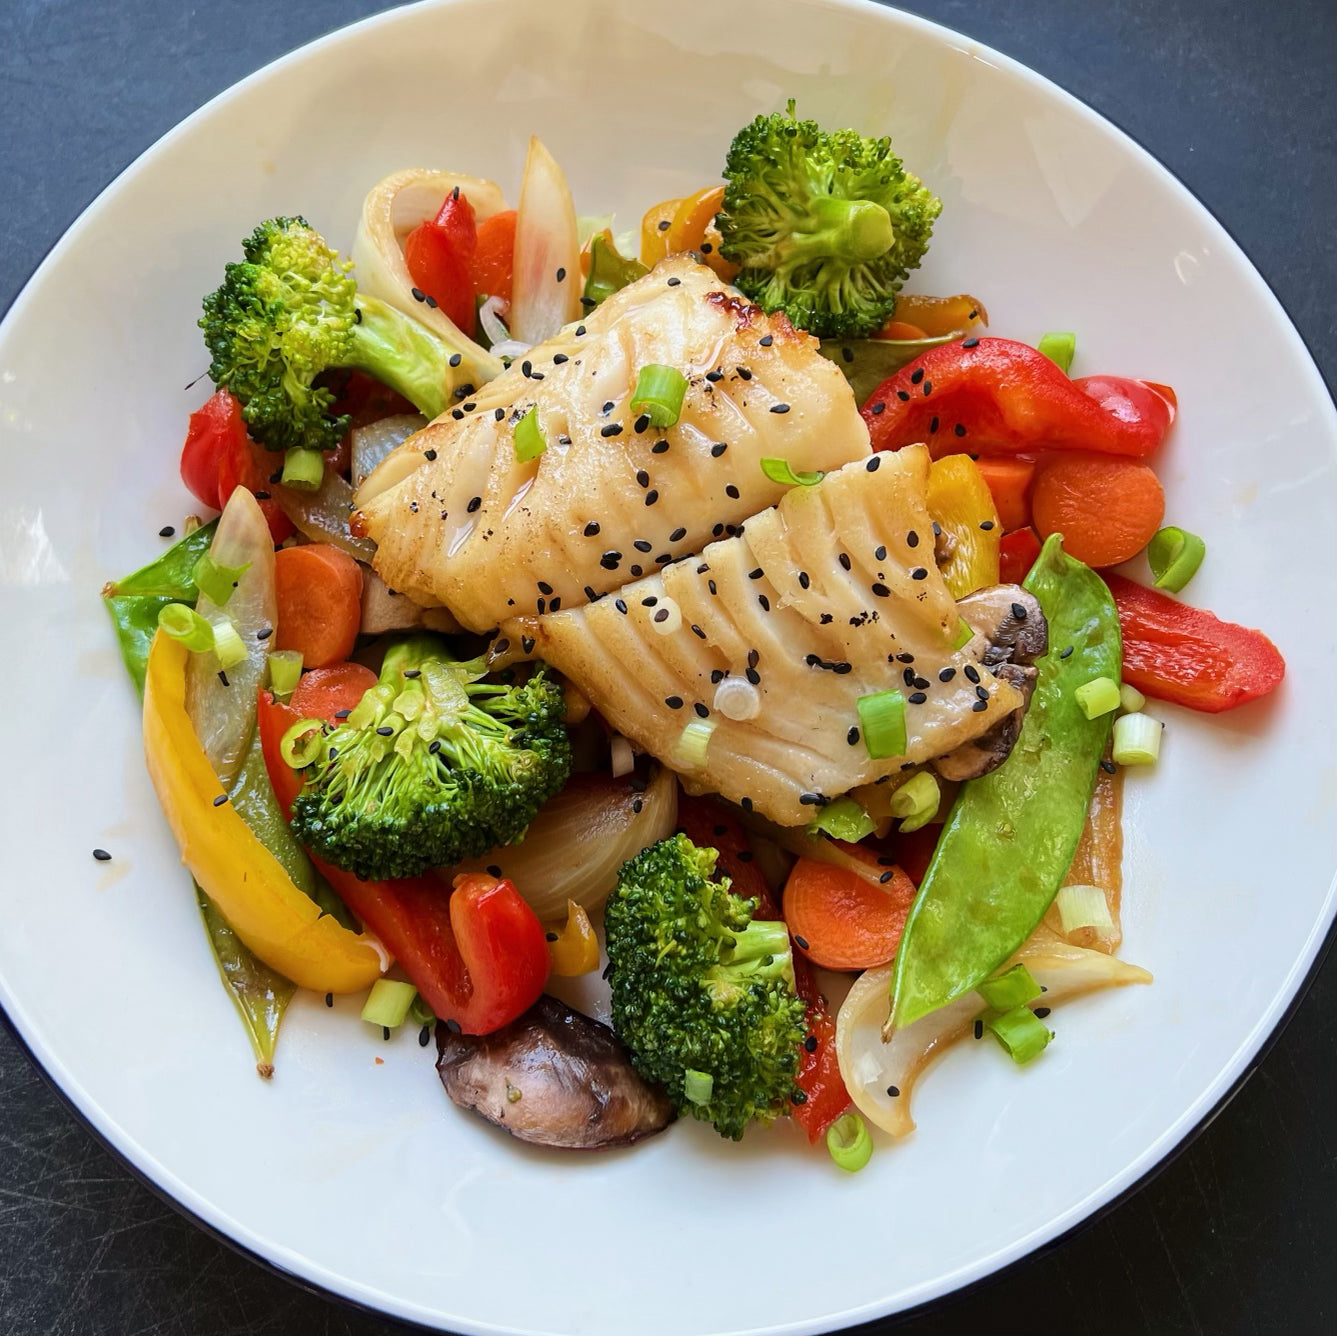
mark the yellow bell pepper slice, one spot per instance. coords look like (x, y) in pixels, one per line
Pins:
(962, 506)
(655, 229)
(573, 948)
(283, 927)
(941, 315)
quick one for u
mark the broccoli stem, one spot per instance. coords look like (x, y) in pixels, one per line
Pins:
(303, 469)
(402, 354)
(760, 946)
(855, 230)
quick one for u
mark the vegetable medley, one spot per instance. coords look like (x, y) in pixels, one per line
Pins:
(694, 611)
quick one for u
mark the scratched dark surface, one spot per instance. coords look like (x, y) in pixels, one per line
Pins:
(1237, 1234)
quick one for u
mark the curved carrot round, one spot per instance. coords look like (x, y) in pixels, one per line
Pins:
(1107, 509)
(319, 594)
(324, 692)
(843, 920)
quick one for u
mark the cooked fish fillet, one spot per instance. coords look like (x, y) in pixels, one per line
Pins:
(458, 520)
(831, 596)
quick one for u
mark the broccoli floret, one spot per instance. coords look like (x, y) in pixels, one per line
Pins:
(432, 766)
(825, 226)
(703, 994)
(291, 310)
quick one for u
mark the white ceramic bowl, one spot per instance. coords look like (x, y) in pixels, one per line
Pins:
(359, 1176)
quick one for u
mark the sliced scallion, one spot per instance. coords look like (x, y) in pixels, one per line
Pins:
(388, 1003)
(965, 633)
(1059, 348)
(882, 718)
(1021, 1032)
(916, 801)
(849, 1143)
(783, 472)
(285, 671)
(1130, 699)
(228, 645)
(695, 742)
(1013, 988)
(420, 1013)
(698, 1086)
(1083, 907)
(303, 470)
(843, 819)
(1098, 696)
(1137, 740)
(528, 440)
(217, 582)
(302, 743)
(659, 394)
(183, 623)
(1174, 556)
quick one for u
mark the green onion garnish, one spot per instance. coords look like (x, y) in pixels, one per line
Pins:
(183, 623)
(217, 582)
(1174, 556)
(1083, 907)
(916, 801)
(1059, 348)
(843, 819)
(285, 671)
(302, 743)
(782, 471)
(695, 741)
(420, 1013)
(1098, 696)
(1137, 740)
(964, 633)
(1130, 699)
(227, 644)
(849, 1143)
(659, 393)
(698, 1086)
(882, 718)
(1020, 1032)
(1011, 989)
(388, 1003)
(528, 440)
(303, 469)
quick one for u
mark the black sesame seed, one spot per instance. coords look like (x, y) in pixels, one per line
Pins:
(810, 1043)
(743, 373)
(673, 282)
(651, 497)
(893, 1091)
(1041, 1013)
(1108, 767)
(916, 698)
(220, 800)
(527, 644)
(844, 559)
(559, 358)
(905, 658)
(765, 602)
(959, 429)
(766, 340)
(717, 675)
(429, 455)
(673, 702)
(453, 1026)
(971, 342)
(611, 560)
(1066, 652)
(908, 677)
(880, 590)
(641, 423)
(779, 408)
(919, 573)
(697, 631)
(798, 1097)
(649, 602)
(710, 584)
(424, 1036)
(662, 615)
(665, 224)
(544, 587)
(701, 711)
(874, 464)
(753, 676)
(642, 478)
(678, 535)
(620, 604)
(979, 1029)
(852, 737)
(342, 714)
(417, 294)
(329, 999)
(810, 800)
(986, 525)
(634, 570)
(745, 803)
(878, 409)
(732, 492)
(561, 274)
(980, 705)
(903, 396)
(972, 673)
(713, 376)
(659, 448)
(933, 425)
(718, 449)
(102, 855)
(1019, 611)
(642, 545)
(612, 429)
(664, 558)
(591, 528)
(803, 580)
(222, 677)
(706, 248)
(167, 531)
(916, 375)
(580, 331)
(887, 876)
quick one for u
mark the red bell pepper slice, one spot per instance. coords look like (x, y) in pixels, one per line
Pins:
(438, 253)
(214, 429)
(709, 824)
(1190, 656)
(999, 397)
(1016, 554)
(242, 463)
(478, 955)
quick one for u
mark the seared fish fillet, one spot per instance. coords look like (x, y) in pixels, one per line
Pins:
(458, 520)
(830, 596)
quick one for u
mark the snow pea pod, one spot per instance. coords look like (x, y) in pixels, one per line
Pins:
(1012, 834)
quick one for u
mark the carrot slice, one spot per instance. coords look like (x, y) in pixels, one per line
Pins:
(319, 595)
(1010, 482)
(325, 692)
(843, 920)
(1106, 508)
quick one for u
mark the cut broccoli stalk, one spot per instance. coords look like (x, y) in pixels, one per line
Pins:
(432, 766)
(289, 311)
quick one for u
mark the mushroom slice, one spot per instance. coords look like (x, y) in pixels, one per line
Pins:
(554, 1077)
(1011, 620)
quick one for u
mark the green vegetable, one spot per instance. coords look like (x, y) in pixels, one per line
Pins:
(1098, 696)
(1059, 348)
(291, 310)
(882, 717)
(285, 671)
(183, 623)
(868, 362)
(1012, 834)
(659, 394)
(701, 988)
(1174, 556)
(849, 1142)
(1137, 740)
(610, 272)
(916, 801)
(843, 819)
(388, 1003)
(1021, 1033)
(528, 439)
(303, 469)
(216, 581)
(135, 602)
(432, 766)
(826, 227)
(783, 472)
(227, 644)
(1130, 699)
(694, 741)
(1010, 989)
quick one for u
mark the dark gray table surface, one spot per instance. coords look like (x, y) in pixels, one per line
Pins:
(1237, 1234)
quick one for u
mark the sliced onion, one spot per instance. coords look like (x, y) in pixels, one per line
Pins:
(870, 1067)
(546, 245)
(371, 444)
(621, 756)
(575, 846)
(322, 515)
(224, 716)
